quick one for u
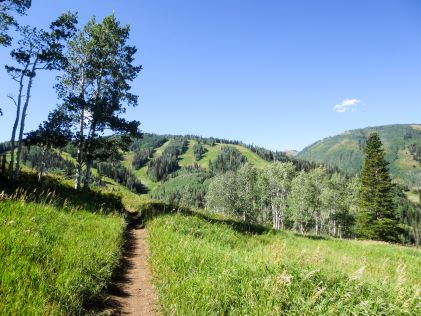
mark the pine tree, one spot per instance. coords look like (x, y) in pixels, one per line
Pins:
(377, 217)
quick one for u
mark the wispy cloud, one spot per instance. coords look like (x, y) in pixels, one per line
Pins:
(347, 105)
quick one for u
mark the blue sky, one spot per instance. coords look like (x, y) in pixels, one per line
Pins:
(279, 74)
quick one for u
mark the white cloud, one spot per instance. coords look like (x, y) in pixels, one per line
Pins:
(347, 105)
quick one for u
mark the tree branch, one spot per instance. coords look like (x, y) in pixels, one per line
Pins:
(13, 99)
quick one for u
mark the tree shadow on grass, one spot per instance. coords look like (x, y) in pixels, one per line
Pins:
(53, 191)
(153, 209)
(312, 237)
(107, 303)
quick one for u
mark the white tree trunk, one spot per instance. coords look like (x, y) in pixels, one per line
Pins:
(15, 124)
(81, 143)
(23, 117)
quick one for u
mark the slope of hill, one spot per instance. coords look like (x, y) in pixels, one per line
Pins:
(212, 151)
(52, 261)
(203, 263)
(188, 159)
(402, 144)
(207, 265)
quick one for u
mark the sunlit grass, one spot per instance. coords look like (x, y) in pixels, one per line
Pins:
(53, 259)
(213, 268)
(188, 159)
(413, 196)
(213, 151)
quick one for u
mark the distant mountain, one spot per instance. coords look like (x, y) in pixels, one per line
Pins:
(402, 144)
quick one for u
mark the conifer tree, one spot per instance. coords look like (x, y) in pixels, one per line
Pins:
(377, 217)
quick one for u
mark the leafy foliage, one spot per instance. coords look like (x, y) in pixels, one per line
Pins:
(176, 147)
(7, 9)
(39, 159)
(415, 150)
(159, 168)
(410, 218)
(95, 89)
(313, 201)
(36, 50)
(53, 133)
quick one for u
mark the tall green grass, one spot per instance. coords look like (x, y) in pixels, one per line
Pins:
(205, 266)
(54, 258)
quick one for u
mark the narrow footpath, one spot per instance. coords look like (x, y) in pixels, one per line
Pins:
(132, 292)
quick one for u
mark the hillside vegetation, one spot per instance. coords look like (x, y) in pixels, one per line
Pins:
(186, 159)
(67, 244)
(233, 178)
(58, 249)
(401, 142)
(214, 266)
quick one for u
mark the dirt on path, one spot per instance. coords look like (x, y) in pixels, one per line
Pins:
(132, 292)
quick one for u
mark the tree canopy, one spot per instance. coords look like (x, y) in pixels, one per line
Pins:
(7, 18)
(377, 218)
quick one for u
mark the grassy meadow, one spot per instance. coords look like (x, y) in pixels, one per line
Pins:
(58, 247)
(208, 266)
(54, 258)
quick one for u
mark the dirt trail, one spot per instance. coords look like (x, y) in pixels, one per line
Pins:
(132, 292)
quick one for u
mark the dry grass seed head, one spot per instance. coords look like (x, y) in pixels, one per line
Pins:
(357, 275)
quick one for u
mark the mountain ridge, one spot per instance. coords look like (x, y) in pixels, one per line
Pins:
(402, 144)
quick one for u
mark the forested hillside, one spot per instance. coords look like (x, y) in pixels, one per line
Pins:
(250, 183)
(157, 158)
(401, 142)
